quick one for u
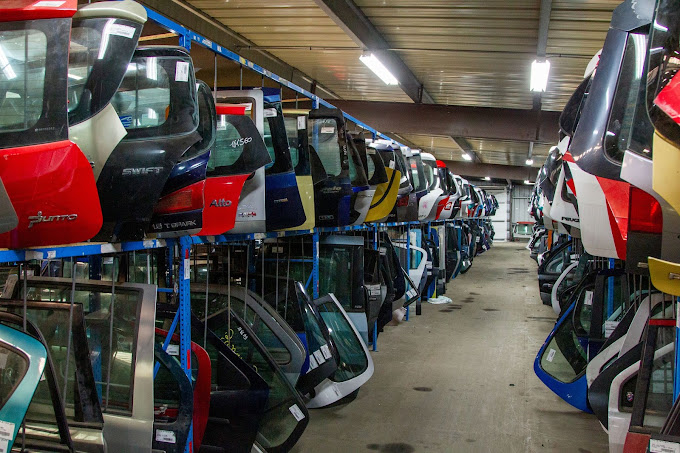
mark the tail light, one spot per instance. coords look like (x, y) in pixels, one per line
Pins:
(188, 199)
(403, 201)
(644, 212)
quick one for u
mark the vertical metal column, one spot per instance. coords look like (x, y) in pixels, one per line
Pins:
(374, 230)
(408, 262)
(610, 290)
(184, 311)
(315, 264)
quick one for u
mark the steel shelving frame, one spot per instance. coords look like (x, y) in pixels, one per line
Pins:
(182, 246)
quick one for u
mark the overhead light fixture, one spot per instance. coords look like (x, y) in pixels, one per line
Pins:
(74, 77)
(467, 157)
(378, 69)
(527, 182)
(539, 75)
(487, 178)
(529, 162)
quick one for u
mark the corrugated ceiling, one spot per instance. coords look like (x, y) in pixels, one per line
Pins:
(465, 52)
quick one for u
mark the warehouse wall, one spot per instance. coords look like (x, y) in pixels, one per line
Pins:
(501, 219)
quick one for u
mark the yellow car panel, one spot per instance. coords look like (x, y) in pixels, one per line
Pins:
(306, 189)
(666, 171)
(385, 196)
(665, 275)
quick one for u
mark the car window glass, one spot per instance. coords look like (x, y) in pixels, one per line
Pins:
(13, 367)
(23, 56)
(564, 358)
(323, 137)
(221, 303)
(353, 360)
(97, 308)
(620, 125)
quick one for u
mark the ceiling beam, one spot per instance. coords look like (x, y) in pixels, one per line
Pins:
(477, 170)
(348, 16)
(217, 32)
(456, 121)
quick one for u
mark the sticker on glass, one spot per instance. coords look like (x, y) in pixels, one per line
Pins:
(301, 123)
(3, 359)
(326, 351)
(319, 357)
(312, 362)
(122, 30)
(269, 113)
(551, 355)
(662, 446)
(164, 435)
(589, 298)
(297, 413)
(609, 327)
(327, 130)
(182, 71)
(391, 165)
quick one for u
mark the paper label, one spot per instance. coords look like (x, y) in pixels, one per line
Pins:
(181, 71)
(122, 30)
(589, 298)
(551, 355)
(391, 165)
(163, 435)
(301, 123)
(297, 413)
(662, 446)
(269, 113)
(319, 357)
(187, 269)
(173, 349)
(325, 350)
(6, 430)
(51, 254)
(312, 362)
(609, 327)
(328, 130)
(48, 4)
(4, 443)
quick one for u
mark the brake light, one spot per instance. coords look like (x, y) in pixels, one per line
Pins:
(403, 201)
(644, 212)
(187, 199)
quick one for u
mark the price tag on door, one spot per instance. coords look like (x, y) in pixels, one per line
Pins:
(589, 298)
(662, 446)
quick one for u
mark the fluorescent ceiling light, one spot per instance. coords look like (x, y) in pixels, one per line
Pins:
(539, 75)
(487, 178)
(527, 182)
(74, 77)
(378, 68)
(467, 157)
(529, 162)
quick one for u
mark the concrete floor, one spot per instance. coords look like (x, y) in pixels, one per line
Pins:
(459, 378)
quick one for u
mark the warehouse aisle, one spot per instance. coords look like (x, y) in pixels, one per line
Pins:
(459, 378)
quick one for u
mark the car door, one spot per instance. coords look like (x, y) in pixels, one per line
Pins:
(356, 364)
(341, 272)
(284, 205)
(123, 364)
(269, 326)
(641, 396)
(285, 415)
(598, 306)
